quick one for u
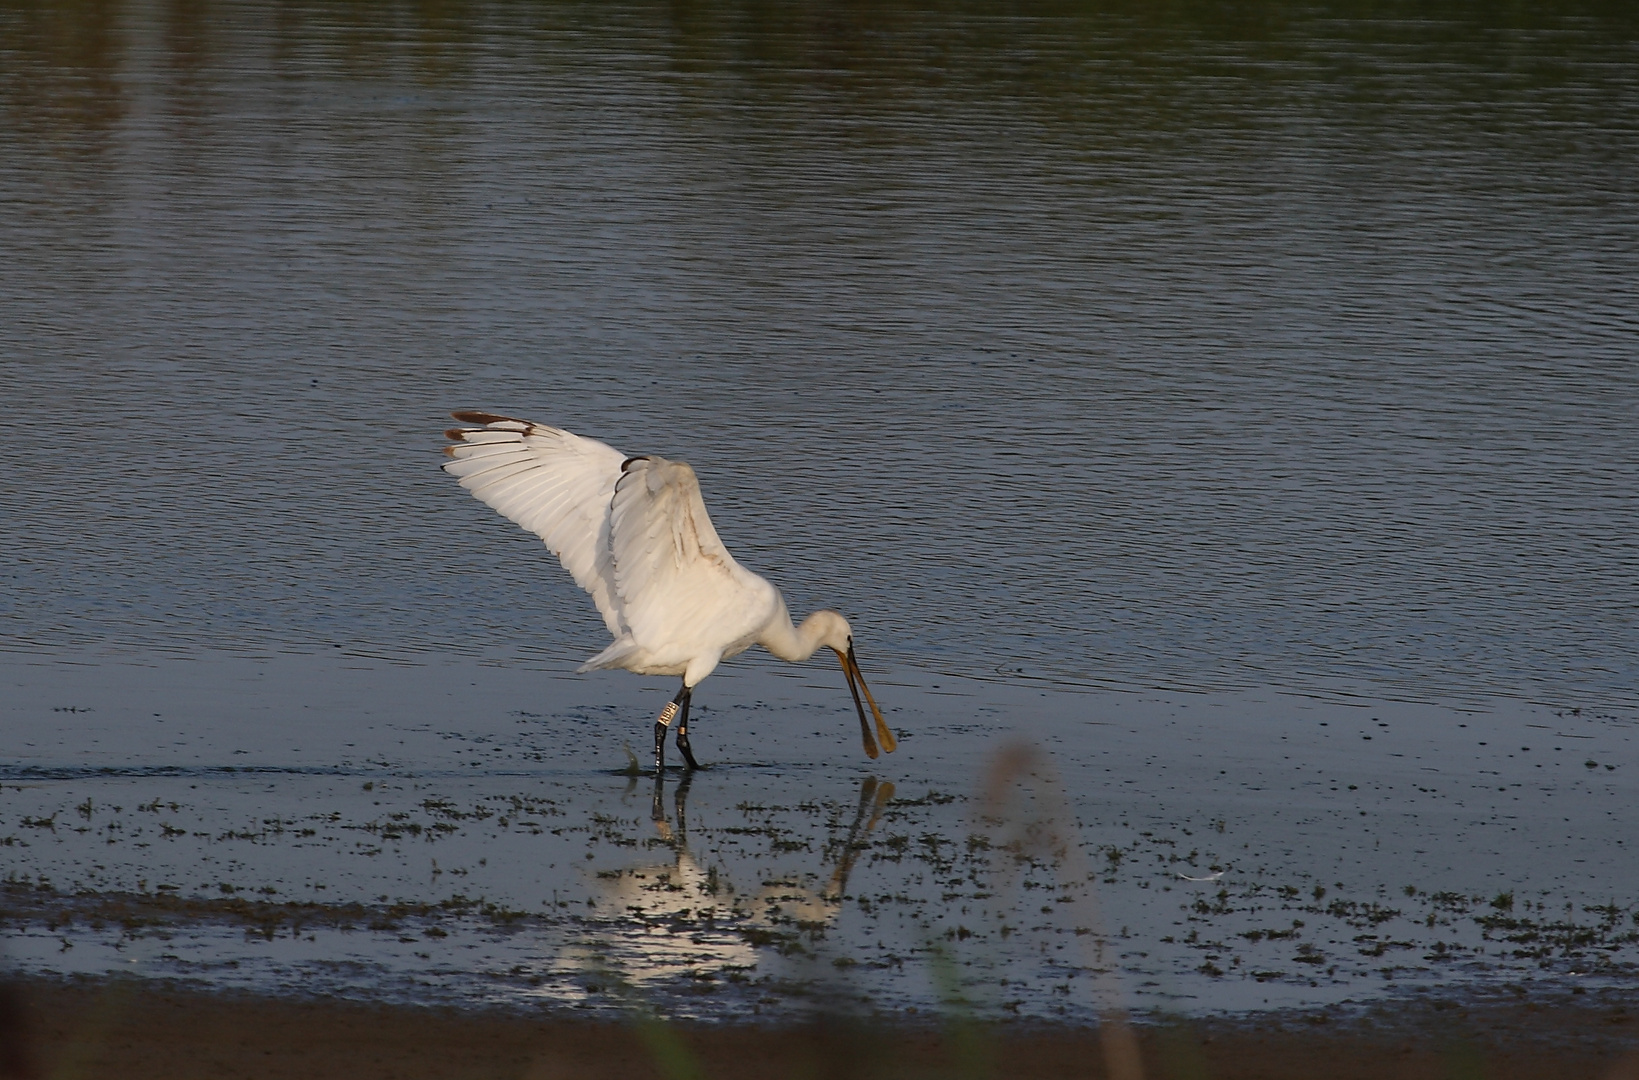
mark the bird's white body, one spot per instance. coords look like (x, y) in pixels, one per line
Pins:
(634, 533)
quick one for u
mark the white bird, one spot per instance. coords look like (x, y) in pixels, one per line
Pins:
(633, 532)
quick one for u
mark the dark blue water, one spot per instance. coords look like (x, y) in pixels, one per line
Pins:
(1295, 348)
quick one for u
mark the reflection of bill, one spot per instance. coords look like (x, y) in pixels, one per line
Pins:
(808, 908)
(692, 917)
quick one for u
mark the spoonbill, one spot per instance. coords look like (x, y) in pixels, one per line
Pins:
(633, 532)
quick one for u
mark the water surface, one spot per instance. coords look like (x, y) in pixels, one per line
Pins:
(1189, 350)
(465, 833)
(1238, 405)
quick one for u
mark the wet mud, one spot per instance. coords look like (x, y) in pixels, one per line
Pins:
(339, 832)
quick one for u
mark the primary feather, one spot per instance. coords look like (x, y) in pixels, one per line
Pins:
(554, 483)
(632, 532)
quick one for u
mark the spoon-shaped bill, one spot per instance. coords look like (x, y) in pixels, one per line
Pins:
(856, 684)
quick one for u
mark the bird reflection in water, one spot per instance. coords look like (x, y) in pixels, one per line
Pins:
(684, 917)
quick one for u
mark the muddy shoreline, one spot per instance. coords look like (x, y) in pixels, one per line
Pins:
(155, 1028)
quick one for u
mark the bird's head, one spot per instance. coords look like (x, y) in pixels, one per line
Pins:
(837, 635)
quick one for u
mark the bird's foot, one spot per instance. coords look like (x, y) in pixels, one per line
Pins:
(683, 746)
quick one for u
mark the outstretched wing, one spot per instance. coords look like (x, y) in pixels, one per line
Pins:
(554, 483)
(674, 578)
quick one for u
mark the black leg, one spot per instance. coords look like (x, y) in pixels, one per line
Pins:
(667, 715)
(683, 730)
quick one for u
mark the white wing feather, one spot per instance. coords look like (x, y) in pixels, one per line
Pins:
(675, 579)
(554, 483)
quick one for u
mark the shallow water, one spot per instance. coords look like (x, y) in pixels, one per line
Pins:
(460, 832)
(1167, 386)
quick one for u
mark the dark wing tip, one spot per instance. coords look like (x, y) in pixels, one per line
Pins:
(627, 464)
(472, 416)
(456, 434)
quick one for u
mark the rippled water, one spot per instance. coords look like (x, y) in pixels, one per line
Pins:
(1295, 349)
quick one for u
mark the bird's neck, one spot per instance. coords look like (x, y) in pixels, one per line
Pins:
(796, 643)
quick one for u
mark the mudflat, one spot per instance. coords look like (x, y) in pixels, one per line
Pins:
(136, 1029)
